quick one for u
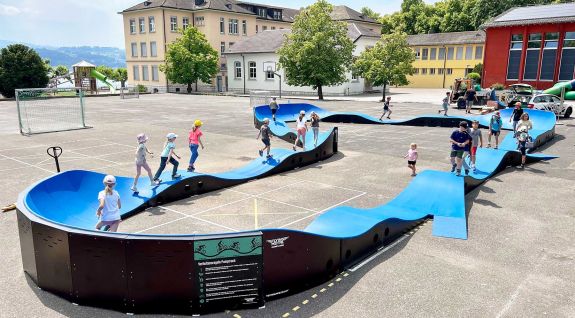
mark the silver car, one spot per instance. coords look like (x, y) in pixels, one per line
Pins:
(551, 103)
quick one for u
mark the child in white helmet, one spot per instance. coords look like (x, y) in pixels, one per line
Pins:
(141, 162)
(168, 154)
(109, 209)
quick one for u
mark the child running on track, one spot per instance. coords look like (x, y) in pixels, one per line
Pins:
(476, 140)
(444, 105)
(459, 139)
(386, 108)
(301, 125)
(195, 141)
(315, 127)
(141, 162)
(266, 135)
(168, 154)
(412, 158)
(494, 129)
(109, 209)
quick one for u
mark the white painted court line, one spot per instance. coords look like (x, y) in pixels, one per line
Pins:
(25, 163)
(156, 226)
(200, 219)
(326, 184)
(37, 146)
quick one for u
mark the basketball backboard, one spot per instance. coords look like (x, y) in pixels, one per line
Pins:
(269, 66)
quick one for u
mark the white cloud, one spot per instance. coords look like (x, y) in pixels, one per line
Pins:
(9, 10)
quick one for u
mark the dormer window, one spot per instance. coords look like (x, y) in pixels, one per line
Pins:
(229, 6)
(262, 12)
(277, 15)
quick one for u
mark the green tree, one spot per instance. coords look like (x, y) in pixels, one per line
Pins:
(120, 75)
(21, 67)
(57, 73)
(106, 71)
(387, 63)
(190, 58)
(318, 51)
(478, 68)
(367, 12)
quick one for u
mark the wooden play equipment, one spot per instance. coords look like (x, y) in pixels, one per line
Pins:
(85, 76)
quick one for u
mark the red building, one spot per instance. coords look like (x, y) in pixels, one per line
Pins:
(533, 45)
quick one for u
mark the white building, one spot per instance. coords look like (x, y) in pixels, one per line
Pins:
(246, 60)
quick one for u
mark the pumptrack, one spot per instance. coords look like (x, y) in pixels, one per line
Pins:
(60, 249)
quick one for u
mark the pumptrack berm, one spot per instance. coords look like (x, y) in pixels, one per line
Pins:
(63, 254)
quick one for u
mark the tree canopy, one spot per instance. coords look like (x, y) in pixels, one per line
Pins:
(318, 51)
(21, 67)
(190, 58)
(387, 63)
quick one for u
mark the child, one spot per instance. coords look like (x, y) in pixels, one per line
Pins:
(516, 116)
(445, 104)
(195, 141)
(386, 108)
(141, 152)
(301, 125)
(266, 136)
(110, 205)
(459, 139)
(522, 137)
(315, 127)
(476, 140)
(494, 129)
(274, 108)
(412, 158)
(168, 154)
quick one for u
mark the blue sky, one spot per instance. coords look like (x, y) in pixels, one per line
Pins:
(96, 22)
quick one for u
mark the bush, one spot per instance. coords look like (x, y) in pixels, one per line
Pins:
(142, 88)
(478, 68)
(474, 76)
(498, 86)
(21, 67)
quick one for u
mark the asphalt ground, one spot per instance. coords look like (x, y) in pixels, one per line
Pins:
(518, 260)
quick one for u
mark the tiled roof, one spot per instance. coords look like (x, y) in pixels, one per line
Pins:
(468, 37)
(220, 5)
(543, 14)
(355, 31)
(343, 13)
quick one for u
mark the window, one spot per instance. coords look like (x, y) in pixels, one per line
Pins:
(531, 66)
(450, 53)
(514, 56)
(222, 47)
(354, 77)
(567, 67)
(449, 71)
(277, 15)
(155, 76)
(223, 66)
(549, 56)
(134, 49)
(244, 27)
(230, 45)
(479, 52)
(264, 28)
(459, 54)
(238, 70)
(431, 71)
(253, 71)
(185, 22)
(273, 28)
(432, 53)
(440, 71)
(132, 26)
(423, 71)
(174, 24)
(152, 24)
(233, 26)
(136, 70)
(469, 52)
(153, 49)
(270, 75)
(441, 53)
(415, 71)
(424, 54)
(145, 75)
(200, 21)
(417, 53)
(262, 12)
(142, 23)
(143, 49)
(222, 25)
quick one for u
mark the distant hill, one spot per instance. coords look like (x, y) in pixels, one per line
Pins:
(109, 56)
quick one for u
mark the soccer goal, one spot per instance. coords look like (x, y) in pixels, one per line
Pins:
(42, 110)
(129, 92)
(258, 98)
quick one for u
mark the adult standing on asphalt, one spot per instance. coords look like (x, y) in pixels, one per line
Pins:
(459, 140)
(274, 108)
(516, 116)
(470, 97)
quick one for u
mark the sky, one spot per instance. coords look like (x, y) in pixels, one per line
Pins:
(97, 22)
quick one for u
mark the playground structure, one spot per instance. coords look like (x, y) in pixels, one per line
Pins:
(85, 76)
(63, 255)
(568, 88)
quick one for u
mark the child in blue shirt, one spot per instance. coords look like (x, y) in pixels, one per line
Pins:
(168, 154)
(494, 129)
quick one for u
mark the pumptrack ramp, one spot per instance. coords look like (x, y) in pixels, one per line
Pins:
(64, 254)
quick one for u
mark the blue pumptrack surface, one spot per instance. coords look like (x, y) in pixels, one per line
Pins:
(70, 198)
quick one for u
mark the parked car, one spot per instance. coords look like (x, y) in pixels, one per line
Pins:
(518, 93)
(551, 103)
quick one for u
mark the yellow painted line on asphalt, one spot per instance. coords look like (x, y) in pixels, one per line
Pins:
(338, 279)
(345, 274)
(330, 285)
(322, 290)
(314, 296)
(285, 315)
(305, 302)
(237, 316)
(296, 308)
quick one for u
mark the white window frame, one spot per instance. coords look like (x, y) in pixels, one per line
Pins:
(136, 72)
(424, 71)
(143, 49)
(270, 76)
(222, 47)
(153, 49)
(244, 27)
(174, 24)
(233, 26)
(538, 57)
(155, 73)
(543, 48)
(152, 24)
(145, 73)
(448, 71)
(134, 49)
(511, 48)
(253, 72)
(200, 21)
(277, 15)
(133, 27)
(141, 25)
(238, 70)
(262, 12)
(222, 26)
(185, 22)
(479, 48)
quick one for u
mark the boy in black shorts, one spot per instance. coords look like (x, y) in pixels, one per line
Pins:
(266, 135)
(274, 108)
(386, 108)
(459, 140)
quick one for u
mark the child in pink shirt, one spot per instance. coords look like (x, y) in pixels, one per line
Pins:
(412, 158)
(195, 141)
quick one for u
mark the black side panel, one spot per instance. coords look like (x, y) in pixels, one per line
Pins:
(52, 259)
(353, 249)
(160, 275)
(27, 245)
(98, 270)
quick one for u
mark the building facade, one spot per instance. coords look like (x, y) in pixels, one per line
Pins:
(150, 26)
(533, 45)
(440, 58)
